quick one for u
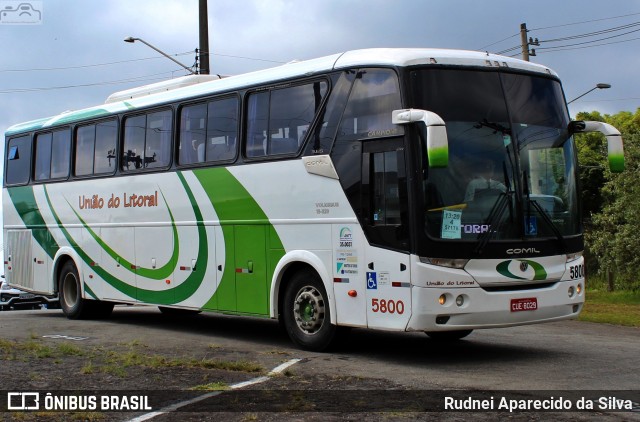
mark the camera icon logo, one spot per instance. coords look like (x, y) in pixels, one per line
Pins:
(20, 12)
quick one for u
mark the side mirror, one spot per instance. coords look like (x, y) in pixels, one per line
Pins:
(432, 127)
(615, 150)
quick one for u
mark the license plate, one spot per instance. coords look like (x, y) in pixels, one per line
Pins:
(27, 296)
(524, 304)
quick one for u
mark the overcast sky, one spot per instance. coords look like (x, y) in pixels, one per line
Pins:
(74, 55)
(80, 42)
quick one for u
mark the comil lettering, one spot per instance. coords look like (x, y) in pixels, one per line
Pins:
(517, 251)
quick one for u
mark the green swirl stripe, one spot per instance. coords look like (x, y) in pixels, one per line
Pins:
(162, 297)
(154, 273)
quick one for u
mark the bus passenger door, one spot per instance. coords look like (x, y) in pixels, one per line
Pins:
(251, 269)
(386, 224)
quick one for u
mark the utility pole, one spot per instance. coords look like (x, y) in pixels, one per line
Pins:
(204, 38)
(525, 44)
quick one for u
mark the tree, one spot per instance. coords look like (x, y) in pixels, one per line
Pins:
(612, 236)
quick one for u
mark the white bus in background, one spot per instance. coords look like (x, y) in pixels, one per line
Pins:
(394, 189)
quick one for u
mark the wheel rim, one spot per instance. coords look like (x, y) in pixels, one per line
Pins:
(70, 290)
(308, 310)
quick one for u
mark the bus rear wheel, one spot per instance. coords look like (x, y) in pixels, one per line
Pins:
(72, 303)
(306, 314)
(448, 335)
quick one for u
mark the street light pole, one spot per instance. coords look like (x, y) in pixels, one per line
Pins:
(599, 86)
(132, 40)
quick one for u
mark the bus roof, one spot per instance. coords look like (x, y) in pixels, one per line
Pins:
(181, 88)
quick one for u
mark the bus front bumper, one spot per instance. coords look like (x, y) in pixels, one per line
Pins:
(476, 308)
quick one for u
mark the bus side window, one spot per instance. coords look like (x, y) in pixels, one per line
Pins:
(18, 160)
(42, 167)
(192, 134)
(85, 144)
(374, 95)
(157, 151)
(147, 141)
(278, 120)
(258, 124)
(105, 149)
(385, 189)
(325, 130)
(95, 148)
(52, 155)
(222, 129)
(60, 154)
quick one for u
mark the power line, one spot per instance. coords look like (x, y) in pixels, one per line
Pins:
(588, 42)
(508, 50)
(154, 76)
(585, 35)
(494, 43)
(90, 65)
(589, 21)
(132, 60)
(593, 34)
(561, 48)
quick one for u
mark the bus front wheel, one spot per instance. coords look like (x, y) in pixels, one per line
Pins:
(306, 312)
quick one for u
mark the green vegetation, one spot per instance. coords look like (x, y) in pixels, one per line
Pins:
(212, 386)
(611, 202)
(619, 308)
(114, 362)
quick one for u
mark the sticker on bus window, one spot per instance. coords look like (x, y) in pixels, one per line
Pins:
(451, 228)
(531, 226)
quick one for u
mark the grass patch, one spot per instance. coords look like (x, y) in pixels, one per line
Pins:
(619, 308)
(240, 366)
(88, 369)
(212, 386)
(68, 349)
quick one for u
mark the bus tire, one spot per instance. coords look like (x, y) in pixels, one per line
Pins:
(306, 313)
(448, 335)
(72, 303)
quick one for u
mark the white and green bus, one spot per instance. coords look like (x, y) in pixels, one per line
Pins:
(394, 189)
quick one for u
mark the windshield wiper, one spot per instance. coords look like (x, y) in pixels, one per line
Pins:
(543, 214)
(553, 227)
(497, 211)
(497, 127)
(494, 217)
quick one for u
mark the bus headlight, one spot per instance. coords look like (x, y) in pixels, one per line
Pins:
(460, 300)
(571, 291)
(442, 299)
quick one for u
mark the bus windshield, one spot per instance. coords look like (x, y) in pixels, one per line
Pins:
(511, 172)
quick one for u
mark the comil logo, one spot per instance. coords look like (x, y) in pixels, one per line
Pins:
(522, 269)
(23, 401)
(20, 12)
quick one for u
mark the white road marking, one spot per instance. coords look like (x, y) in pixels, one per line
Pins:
(275, 371)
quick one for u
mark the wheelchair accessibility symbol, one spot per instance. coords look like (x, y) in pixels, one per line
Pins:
(372, 281)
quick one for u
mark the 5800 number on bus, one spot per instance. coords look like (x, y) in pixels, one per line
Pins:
(387, 306)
